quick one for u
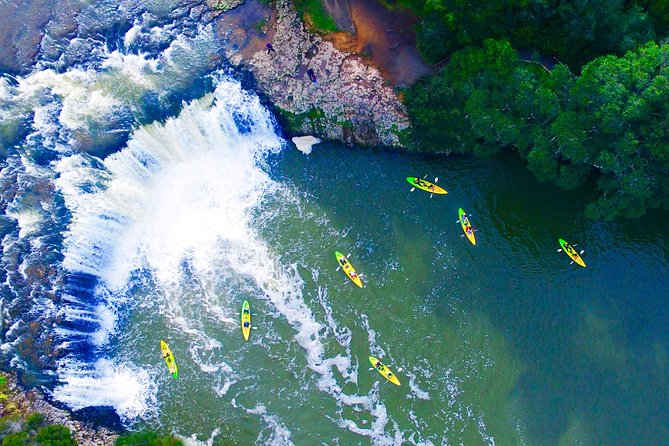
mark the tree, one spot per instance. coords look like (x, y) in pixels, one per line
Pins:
(576, 31)
(465, 107)
(15, 439)
(612, 120)
(624, 102)
(54, 435)
(147, 439)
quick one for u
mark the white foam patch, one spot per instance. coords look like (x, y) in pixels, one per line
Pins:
(131, 35)
(80, 100)
(279, 435)
(193, 441)
(416, 391)
(377, 431)
(182, 190)
(374, 348)
(305, 143)
(28, 220)
(29, 216)
(128, 389)
(343, 335)
(483, 431)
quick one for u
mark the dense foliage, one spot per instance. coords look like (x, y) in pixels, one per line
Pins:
(611, 120)
(574, 31)
(315, 16)
(20, 429)
(658, 12)
(147, 439)
(34, 433)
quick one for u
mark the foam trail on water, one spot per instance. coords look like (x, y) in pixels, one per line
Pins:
(180, 191)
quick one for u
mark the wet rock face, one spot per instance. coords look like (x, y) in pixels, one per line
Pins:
(348, 101)
(24, 402)
(340, 11)
(224, 5)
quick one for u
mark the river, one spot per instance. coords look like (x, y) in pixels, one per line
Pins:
(147, 192)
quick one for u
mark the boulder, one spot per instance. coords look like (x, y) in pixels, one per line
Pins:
(349, 101)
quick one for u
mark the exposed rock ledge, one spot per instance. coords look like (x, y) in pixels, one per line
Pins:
(30, 401)
(350, 102)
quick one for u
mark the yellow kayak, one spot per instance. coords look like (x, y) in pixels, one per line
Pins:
(385, 371)
(246, 320)
(571, 252)
(169, 359)
(348, 268)
(466, 226)
(426, 186)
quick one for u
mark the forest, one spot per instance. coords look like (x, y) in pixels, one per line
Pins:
(580, 89)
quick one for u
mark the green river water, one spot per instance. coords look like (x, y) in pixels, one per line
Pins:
(501, 343)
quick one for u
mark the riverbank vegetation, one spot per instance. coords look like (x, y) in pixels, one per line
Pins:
(147, 439)
(315, 16)
(602, 113)
(18, 428)
(21, 425)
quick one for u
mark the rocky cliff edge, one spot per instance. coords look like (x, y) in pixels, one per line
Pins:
(348, 102)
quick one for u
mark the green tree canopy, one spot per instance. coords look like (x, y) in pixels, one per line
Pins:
(147, 439)
(54, 435)
(611, 121)
(575, 31)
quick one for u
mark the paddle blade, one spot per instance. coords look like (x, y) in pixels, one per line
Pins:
(559, 250)
(412, 189)
(582, 251)
(436, 179)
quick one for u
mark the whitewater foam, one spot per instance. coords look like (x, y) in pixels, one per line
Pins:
(170, 196)
(79, 107)
(130, 390)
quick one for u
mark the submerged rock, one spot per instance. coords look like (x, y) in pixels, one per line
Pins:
(348, 101)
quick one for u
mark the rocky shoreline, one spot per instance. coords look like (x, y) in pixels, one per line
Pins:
(349, 101)
(20, 403)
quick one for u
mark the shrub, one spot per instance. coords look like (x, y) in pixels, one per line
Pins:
(147, 439)
(33, 421)
(17, 439)
(55, 435)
